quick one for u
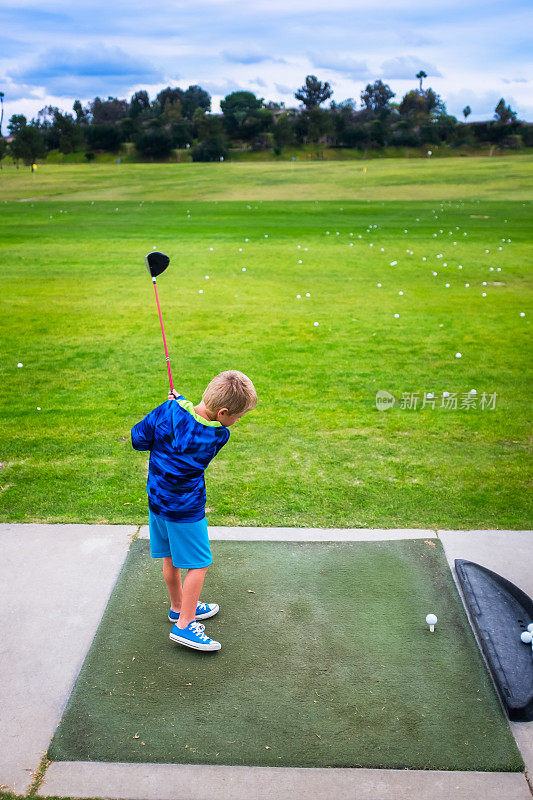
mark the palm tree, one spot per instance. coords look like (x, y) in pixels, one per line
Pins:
(467, 111)
(421, 75)
(2, 113)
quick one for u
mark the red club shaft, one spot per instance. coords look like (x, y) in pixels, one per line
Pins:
(164, 339)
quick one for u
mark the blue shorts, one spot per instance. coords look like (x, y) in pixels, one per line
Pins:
(186, 542)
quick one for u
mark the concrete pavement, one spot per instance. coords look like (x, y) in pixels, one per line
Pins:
(55, 581)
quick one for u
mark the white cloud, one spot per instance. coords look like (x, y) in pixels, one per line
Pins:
(407, 67)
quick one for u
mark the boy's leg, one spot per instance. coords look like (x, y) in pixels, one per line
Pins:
(192, 586)
(172, 576)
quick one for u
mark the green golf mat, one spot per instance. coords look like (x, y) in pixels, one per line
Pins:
(326, 660)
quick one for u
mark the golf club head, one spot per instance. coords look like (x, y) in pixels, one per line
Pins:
(156, 263)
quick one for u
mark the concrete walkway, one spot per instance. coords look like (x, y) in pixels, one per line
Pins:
(55, 581)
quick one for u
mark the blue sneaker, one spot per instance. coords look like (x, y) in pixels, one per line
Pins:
(193, 636)
(203, 611)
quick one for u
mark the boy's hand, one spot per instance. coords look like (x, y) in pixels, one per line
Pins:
(172, 394)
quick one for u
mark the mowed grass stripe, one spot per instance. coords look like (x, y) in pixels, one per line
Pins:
(326, 660)
(378, 179)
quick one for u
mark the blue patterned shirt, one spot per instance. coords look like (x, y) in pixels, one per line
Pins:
(181, 445)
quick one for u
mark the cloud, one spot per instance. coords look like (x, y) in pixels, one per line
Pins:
(405, 67)
(250, 57)
(357, 70)
(259, 82)
(12, 47)
(282, 89)
(515, 80)
(222, 89)
(85, 71)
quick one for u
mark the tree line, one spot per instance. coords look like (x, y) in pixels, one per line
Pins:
(182, 119)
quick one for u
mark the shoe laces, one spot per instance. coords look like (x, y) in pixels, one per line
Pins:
(197, 627)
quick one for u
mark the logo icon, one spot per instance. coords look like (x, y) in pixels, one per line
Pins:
(384, 400)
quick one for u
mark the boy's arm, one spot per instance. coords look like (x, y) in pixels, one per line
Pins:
(142, 434)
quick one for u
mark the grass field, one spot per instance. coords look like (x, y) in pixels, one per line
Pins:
(507, 178)
(339, 674)
(78, 311)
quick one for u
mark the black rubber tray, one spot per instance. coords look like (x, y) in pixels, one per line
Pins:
(500, 612)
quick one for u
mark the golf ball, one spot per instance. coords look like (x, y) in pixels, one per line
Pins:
(20, 364)
(316, 324)
(431, 619)
(530, 627)
(458, 355)
(526, 637)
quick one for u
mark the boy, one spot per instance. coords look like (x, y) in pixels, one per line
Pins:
(182, 440)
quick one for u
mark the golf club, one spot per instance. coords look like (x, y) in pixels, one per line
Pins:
(156, 263)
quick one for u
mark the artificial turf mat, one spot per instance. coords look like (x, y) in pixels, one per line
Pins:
(326, 660)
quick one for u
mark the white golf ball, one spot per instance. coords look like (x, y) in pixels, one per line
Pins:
(447, 285)
(431, 619)
(200, 291)
(526, 637)
(522, 314)
(400, 292)
(458, 355)
(379, 285)
(244, 269)
(240, 249)
(315, 324)
(393, 263)
(396, 316)
(20, 364)
(207, 277)
(38, 408)
(298, 296)
(307, 294)
(467, 285)
(211, 248)
(530, 627)
(300, 261)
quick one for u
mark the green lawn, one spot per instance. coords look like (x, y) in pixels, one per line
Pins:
(77, 309)
(496, 178)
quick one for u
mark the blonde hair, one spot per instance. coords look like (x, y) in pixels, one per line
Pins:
(232, 390)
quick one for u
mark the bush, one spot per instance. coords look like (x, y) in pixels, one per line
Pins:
(353, 136)
(103, 137)
(213, 149)
(154, 145)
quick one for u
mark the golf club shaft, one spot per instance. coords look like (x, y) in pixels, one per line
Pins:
(164, 339)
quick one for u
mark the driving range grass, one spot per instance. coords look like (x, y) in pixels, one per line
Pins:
(384, 179)
(79, 312)
(343, 673)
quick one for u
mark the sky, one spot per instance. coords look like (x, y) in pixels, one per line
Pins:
(473, 51)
